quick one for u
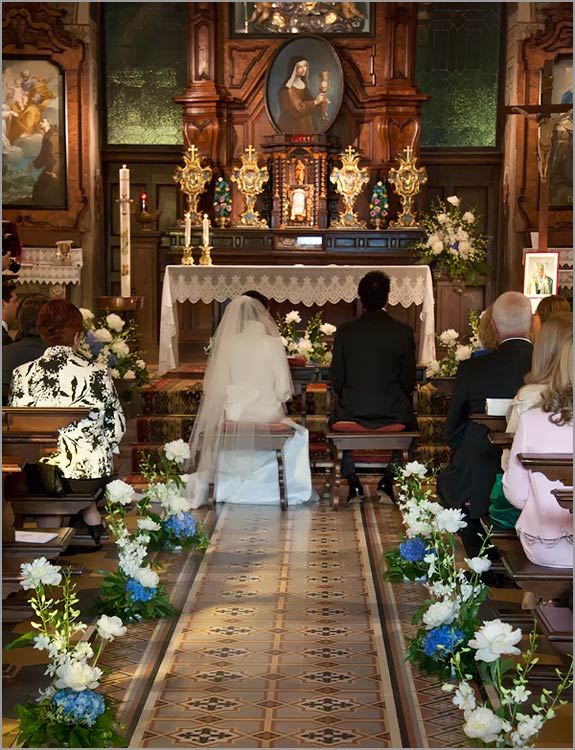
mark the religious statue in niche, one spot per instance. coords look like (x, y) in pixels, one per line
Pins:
(299, 208)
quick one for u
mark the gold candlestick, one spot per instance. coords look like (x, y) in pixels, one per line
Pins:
(205, 258)
(187, 257)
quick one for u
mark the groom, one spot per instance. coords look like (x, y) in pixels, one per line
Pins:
(373, 371)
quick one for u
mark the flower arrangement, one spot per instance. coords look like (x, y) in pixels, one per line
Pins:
(455, 353)
(174, 525)
(505, 722)
(134, 590)
(379, 204)
(69, 713)
(453, 241)
(109, 341)
(312, 345)
(222, 199)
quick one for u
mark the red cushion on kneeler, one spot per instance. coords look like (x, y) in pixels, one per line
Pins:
(372, 457)
(345, 426)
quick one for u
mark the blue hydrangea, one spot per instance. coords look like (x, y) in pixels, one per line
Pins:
(139, 593)
(84, 706)
(94, 345)
(112, 360)
(414, 550)
(441, 641)
(181, 528)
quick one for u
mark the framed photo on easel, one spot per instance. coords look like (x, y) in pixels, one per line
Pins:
(541, 274)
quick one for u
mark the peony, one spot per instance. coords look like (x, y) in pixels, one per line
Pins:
(87, 315)
(448, 337)
(120, 348)
(478, 564)
(493, 639)
(147, 578)
(147, 524)
(77, 675)
(103, 335)
(129, 375)
(110, 627)
(327, 329)
(469, 217)
(454, 200)
(38, 572)
(462, 352)
(120, 492)
(482, 724)
(293, 317)
(440, 613)
(115, 322)
(415, 469)
(450, 520)
(177, 450)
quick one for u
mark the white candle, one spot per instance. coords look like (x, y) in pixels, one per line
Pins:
(205, 231)
(187, 229)
(125, 276)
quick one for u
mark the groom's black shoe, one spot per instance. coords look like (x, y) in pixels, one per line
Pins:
(355, 488)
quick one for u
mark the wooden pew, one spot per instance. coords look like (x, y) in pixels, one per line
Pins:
(557, 467)
(493, 424)
(564, 498)
(501, 439)
(32, 431)
(545, 582)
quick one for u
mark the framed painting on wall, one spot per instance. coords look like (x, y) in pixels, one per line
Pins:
(33, 134)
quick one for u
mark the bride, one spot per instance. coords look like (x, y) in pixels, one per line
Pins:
(246, 385)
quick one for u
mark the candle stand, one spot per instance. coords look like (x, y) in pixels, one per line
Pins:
(206, 258)
(187, 257)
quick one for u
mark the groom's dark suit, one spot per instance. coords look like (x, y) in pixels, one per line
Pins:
(471, 474)
(373, 370)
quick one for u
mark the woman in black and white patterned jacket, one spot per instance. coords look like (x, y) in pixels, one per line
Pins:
(62, 377)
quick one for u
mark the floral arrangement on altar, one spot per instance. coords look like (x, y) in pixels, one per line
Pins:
(108, 340)
(222, 200)
(455, 352)
(175, 527)
(379, 204)
(513, 719)
(453, 241)
(70, 712)
(312, 345)
(134, 590)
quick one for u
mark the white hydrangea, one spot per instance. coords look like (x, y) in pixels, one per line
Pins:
(437, 247)
(115, 322)
(38, 572)
(120, 348)
(448, 337)
(177, 450)
(103, 335)
(293, 317)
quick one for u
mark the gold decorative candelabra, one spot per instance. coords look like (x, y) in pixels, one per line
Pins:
(349, 180)
(407, 181)
(250, 180)
(193, 179)
(187, 257)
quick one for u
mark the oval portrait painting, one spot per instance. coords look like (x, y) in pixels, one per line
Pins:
(304, 86)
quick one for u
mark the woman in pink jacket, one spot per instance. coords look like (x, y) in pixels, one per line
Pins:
(544, 527)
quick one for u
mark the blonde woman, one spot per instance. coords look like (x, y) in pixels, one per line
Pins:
(544, 527)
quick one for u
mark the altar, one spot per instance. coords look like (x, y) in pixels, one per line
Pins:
(307, 285)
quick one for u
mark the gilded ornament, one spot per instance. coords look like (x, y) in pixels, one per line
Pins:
(193, 179)
(349, 180)
(250, 180)
(407, 181)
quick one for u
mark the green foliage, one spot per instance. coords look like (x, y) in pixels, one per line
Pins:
(397, 567)
(115, 600)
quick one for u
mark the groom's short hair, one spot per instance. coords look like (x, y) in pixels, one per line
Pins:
(373, 290)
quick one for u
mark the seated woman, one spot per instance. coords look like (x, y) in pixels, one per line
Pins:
(549, 306)
(246, 385)
(62, 377)
(545, 353)
(485, 333)
(544, 527)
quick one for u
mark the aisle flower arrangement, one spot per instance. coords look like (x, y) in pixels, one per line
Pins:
(453, 241)
(222, 200)
(175, 527)
(108, 340)
(379, 205)
(455, 352)
(313, 345)
(69, 712)
(134, 590)
(513, 719)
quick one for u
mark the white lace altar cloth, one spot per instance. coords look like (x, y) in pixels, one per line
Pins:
(39, 266)
(307, 285)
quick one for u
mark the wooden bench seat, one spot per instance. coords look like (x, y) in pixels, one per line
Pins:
(556, 623)
(493, 424)
(501, 439)
(49, 550)
(32, 431)
(564, 498)
(557, 467)
(545, 582)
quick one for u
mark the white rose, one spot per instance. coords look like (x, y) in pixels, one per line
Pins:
(493, 639)
(327, 329)
(415, 469)
(478, 564)
(437, 247)
(448, 337)
(114, 373)
(147, 524)
(464, 697)
(454, 200)
(439, 613)
(469, 217)
(147, 578)
(177, 450)
(462, 352)
(78, 676)
(442, 218)
(115, 322)
(483, 724)
(433, 368)
(110, 627)
(103, 335)
(120, 348)
(129, 375)
(293, 317)
(87, 315)
(120, 492)
(38, 572)
(140, 364)
(450, 520)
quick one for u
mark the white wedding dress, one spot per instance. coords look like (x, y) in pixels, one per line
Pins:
(254, 367)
